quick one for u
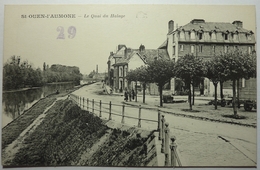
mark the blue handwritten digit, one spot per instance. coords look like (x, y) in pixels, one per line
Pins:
(61, 34)
(72, 32)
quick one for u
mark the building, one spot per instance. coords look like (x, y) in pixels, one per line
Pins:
(126, 59)
(207, 39)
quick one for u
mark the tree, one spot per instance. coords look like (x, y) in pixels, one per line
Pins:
(213, 70)
(238, 65)
(161, 71)
(189, 68)
(144, 77)
(132, 76)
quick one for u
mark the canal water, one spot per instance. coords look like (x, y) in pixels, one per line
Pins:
(14, 103)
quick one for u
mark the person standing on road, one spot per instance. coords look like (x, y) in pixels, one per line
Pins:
(133, 94)
(126, 95)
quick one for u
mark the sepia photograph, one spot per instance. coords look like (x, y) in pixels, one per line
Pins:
(129, 85)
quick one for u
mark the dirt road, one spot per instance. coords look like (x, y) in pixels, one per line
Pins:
(201, 143)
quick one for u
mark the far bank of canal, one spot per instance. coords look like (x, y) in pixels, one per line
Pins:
(16, 102)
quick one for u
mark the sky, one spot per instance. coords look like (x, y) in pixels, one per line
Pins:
(35, 39)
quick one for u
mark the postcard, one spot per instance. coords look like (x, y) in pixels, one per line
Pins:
(129, 85)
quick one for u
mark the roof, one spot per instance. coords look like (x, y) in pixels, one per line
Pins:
(146, 55)
(212, 26)
(164, 45)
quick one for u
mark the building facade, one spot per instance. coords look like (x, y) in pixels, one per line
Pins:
(207, 39)
(126, 59)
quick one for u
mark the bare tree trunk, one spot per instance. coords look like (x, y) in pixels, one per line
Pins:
(193, 94)
(160, 91)
(238, 102)
(190, 96)
(144, 87)
(136, 91)
(216, 95)
(234, 98)
(221, 90)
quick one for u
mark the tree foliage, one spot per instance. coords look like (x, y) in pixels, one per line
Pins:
(143, 76)
(161, 71)
(190, 69)
(237, 65)
(19, 74)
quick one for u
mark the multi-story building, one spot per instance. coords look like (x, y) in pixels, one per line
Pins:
(126, 59)
(207, 39)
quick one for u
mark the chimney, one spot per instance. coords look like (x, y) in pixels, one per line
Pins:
(170, 26)
(197, 21)
(120, 46)
(141, 48)
(238, 24)
(97, 69)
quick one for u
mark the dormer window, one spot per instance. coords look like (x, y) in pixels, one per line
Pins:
(213, 35)
(200, 35)
(182, 35)
(249, 38)
(226, 36)
(234, 36)
(192, 35)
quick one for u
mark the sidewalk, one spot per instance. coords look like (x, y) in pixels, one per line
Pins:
(201, 110)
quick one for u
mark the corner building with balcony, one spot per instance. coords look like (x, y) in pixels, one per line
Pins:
(206, 40)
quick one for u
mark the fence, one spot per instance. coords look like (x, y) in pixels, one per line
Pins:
(99, 107)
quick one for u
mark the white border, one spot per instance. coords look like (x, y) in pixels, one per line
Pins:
(184, 2)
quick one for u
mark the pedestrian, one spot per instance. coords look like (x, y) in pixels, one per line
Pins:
(133, 94)
(130, 96)
(126, 95)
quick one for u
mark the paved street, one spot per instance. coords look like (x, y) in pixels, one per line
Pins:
(200, 143)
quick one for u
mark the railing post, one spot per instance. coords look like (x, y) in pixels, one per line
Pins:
(167, 145)
(162, 131)
(123, 114)
(87, 104)
(93, 102)
(100, 109)
(139, 116)
(173, 150)
(83, 102)
(110, 118)
(159, 124)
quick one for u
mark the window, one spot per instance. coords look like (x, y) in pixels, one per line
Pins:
(182, 35)
(213, 49)
(235, 36)
(192, 35)
(121, 72)
(226, 36)
(200, 35)
(213, 35)
(125, 70)
(181, 47)
(225, 49)
(192, 48)
(249, 50)
(249, 37)
(200, 48)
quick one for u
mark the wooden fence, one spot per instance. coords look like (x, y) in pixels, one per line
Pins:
(170, 150)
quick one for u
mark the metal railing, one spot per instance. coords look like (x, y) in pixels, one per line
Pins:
(171, 159)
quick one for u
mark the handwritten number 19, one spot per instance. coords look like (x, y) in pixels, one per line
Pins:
(71, 32)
